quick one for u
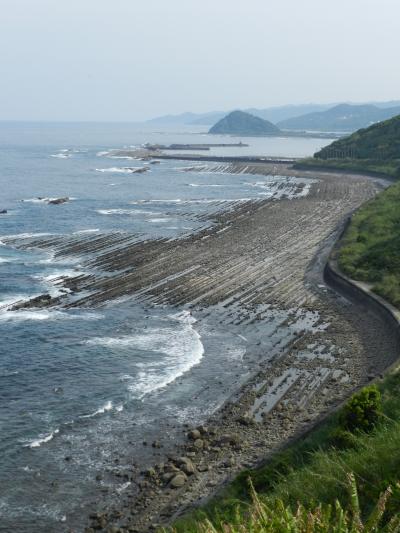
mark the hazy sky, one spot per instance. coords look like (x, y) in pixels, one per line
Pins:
(134, 59)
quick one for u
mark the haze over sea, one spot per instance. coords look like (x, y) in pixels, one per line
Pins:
(80, 390)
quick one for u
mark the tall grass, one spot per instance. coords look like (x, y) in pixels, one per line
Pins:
(311, 475)
(274, 516)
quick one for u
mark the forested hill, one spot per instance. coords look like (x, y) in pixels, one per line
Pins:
(380, 142)
(241, 123)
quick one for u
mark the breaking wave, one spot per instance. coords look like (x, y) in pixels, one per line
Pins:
(180, 346)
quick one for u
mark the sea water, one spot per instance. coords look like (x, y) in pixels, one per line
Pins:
(80, 390)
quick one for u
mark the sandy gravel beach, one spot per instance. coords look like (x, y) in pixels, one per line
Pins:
(258, 258)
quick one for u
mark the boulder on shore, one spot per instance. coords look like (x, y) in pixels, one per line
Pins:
(178, 481)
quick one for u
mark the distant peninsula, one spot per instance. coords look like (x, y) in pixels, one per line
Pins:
(241, 123)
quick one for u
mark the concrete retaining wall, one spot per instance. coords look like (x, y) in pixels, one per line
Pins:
(360, 295)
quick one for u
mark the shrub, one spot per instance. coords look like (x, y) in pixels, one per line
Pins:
(362, 411)
(343, 439)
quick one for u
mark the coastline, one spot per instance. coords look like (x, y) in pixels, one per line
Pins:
(231, 440)
(258, 258)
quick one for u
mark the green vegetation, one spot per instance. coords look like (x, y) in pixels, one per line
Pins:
(362, 410)
(241, 123)
(374, 150)
(370, 249)
(380, 142)
(308, 477)
(274, 517)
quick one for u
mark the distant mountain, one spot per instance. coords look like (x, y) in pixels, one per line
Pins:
(341, 118)
(277, 115)
(207, 119)
(183, 118)
(241, 123)
(273, 114)
(380, 142)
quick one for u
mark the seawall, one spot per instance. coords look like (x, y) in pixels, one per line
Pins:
(361, 294)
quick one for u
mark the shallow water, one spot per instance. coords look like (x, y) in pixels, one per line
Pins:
(82, 388)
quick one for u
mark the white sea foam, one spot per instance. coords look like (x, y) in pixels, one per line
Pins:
(23, 315)
(159, 220)
(61, 156)
(123, 487)
(124, 170)
(181, 347)
(127, 157)
(42, 439)
(104, 409)
(44, 199)
(130, 212)
(277, 187)
(26, 235)
(83, 231)
(206, 185)
(55, 275)
(35, 200)
(190, 201)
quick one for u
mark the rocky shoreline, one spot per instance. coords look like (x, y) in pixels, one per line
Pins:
(258, 258)
(236, 438)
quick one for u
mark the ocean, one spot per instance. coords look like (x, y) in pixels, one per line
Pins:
(82, 389)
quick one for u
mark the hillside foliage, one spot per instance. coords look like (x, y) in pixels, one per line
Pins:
(380, 142)
(371, 245)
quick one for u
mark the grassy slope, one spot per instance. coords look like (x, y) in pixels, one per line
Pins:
(314, 470)
(370, 249)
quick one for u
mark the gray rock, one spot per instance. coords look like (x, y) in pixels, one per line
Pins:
(228, 439)
(187, 466)
(194, 434)
(170, 468)
(168, 476)
(198, 444)
(178, 481)
(58, 201)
